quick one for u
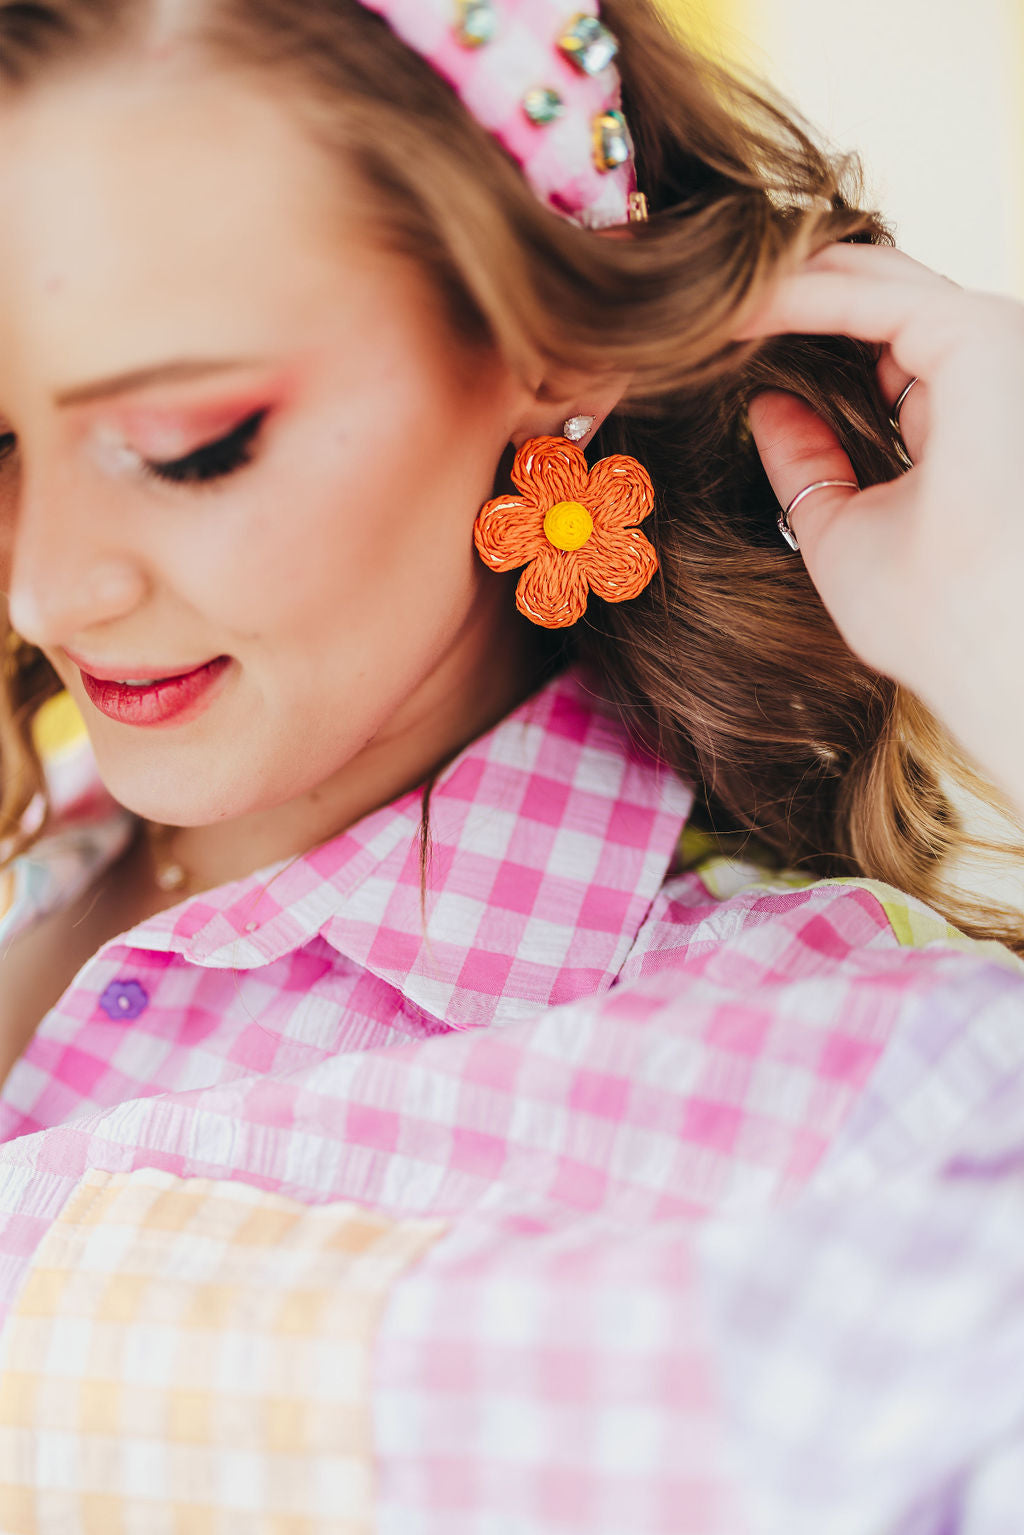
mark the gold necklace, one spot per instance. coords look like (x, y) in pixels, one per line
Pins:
(170, 874)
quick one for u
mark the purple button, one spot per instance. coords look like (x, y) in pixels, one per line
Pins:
(124, 999)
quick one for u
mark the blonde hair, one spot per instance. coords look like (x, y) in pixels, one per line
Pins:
(728, 666)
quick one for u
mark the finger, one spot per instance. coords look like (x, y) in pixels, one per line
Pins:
(913, 415)
(846, 537)
(877, 261)
(882, 261)
(797, 449)
(892, 379)
(919, 323)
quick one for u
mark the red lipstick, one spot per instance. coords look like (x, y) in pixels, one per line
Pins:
(166, 701)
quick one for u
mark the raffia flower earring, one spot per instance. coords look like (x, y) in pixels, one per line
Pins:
(573, 527)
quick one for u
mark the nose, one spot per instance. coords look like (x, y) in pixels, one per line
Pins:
(66, 571)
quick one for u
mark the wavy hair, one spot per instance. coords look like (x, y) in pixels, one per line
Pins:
(728, 666)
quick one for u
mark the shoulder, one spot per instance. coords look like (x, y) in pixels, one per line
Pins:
(730, 909)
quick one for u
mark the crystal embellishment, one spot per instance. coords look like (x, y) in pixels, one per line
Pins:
(612, 143)
(587, 43)
(476, 23)
(543, 105)
(577, 427)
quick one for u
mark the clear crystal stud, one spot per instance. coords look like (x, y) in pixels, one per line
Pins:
(587, 43)
(577, 427)
(612, 143)
(543, 105)
(476, 22)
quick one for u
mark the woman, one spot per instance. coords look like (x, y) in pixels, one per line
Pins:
(371, 1052)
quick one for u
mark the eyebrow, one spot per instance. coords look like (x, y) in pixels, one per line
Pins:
(139, 378)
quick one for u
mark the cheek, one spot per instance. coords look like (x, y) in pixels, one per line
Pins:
(371, 542)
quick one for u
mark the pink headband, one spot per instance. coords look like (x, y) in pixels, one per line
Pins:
(538, 74)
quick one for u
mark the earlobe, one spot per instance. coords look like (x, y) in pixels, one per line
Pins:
(578, 428)
(574, 407)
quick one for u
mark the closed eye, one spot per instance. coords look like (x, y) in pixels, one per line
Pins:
(215, 461)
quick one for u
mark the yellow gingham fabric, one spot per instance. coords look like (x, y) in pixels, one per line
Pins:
(190, 1357)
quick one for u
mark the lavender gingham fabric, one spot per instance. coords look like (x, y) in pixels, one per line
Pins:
(727, 1190)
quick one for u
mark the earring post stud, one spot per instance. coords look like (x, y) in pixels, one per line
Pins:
(577, 427)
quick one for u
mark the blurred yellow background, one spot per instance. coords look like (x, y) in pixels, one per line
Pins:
(930, 92)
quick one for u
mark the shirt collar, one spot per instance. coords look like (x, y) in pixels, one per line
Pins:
(550, 837)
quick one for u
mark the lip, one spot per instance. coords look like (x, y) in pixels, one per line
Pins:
(118, 672)
(173, 698)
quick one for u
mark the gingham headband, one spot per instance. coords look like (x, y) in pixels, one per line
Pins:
(540, 76)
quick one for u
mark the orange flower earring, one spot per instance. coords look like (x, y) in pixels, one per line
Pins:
(573, 527)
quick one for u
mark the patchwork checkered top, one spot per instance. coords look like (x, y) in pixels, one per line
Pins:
(593, 1194)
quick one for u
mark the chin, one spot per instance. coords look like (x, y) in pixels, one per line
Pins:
(169, 793)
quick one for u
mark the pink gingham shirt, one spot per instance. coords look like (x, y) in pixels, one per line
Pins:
(624, 1121)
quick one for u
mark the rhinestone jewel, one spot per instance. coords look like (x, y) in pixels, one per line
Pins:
(587, 43)
(612, 143)
(476, 23)
(543, 105)
(577, 427)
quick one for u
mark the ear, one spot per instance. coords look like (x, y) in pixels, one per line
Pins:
(591, 398)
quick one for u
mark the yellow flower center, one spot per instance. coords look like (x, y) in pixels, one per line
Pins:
(568, 525)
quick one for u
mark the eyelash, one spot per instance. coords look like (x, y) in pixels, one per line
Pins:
(206, 465)
(215, 461)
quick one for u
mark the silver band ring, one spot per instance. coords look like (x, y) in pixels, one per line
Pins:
(901, 447)
(895, 417)
(784, 527)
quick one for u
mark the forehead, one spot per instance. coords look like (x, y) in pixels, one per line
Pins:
(133, 197)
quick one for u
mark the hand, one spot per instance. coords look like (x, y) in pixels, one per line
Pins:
(924, 575)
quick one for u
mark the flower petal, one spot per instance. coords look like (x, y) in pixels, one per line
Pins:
(508, 532)
(619, 493)
(619, 565)
(552, 591)
(550, 469)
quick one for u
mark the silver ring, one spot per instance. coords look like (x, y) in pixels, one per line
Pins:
(894, 420)
(895, 417)
(784, 527)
